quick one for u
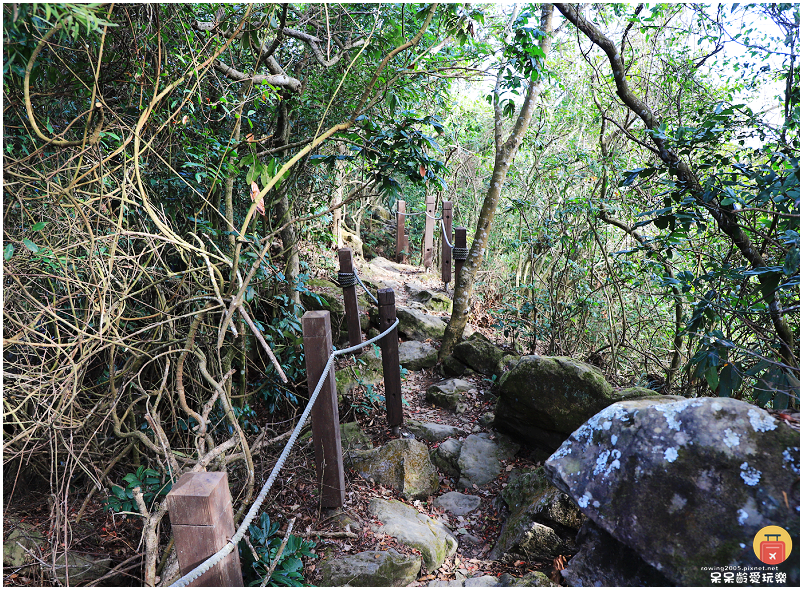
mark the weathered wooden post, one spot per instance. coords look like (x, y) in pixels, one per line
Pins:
(391, 359)
(460, 249)
(427, 244)
(348, 280)
(447, 251)
(201, 514)
(318, 345)
(401, 250)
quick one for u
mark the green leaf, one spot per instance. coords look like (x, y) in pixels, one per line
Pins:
(792, 261)
(712, 377)
(30, 245)
(39, 226)
(8, 252)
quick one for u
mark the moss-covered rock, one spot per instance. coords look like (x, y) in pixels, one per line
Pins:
(479, 462)
(353, 438)
(685, 483)
(479, 354)
(542, 521)
(445, 456)
(543, 399)
(367, 370)
(531, 579)
(26, 535)
(371, 568)
(452, 367)
(418, 325)
(447, 393)
(433, 300)
(415, 355)
(402, 464)
(409, 527)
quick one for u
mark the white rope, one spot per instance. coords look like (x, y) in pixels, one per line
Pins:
(408, 214)
(358, 278)
(431, 216)
(444, 234)
(251, 514)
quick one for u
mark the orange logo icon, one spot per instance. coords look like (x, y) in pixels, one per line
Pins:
(772, 545)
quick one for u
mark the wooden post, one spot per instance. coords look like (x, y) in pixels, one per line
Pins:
(201, 515)
(391, 359)
(401, 252)
(318, 345)
(447, 251)
(461, 242)
(350, 300)
(427, 244)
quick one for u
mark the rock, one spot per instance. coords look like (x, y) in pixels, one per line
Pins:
(328, 297)
(81, 568)
(452, 367)
(715, 468)
(479, 354)
(416, 355)
(27, 536)
(368, 370)
(381, 212)
(352, 241)
(604, 561)
(371, 568)
(486, 419)
(433, 300)
(353, 437)
(409, 527)
(479, 460)
(447, 393)
(476, 582)
(432, 432)
(417, 325)
(544, 399)
(535, 579)
(634, 392)
(457, 503)
(542, 521)
(445, 456)
(402, 464)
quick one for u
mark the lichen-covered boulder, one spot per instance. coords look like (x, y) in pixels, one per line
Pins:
(416, 355)
(418, 325)
(479, 354)
(370, 568)
(352, 241)
(447, 393)
(23, 535)
(409, 527)
(685, 483)
(531, 579)
(544, 399)
(402, 464)
(458, 503)
(479, 462)
(445, 456)
(542, 522)
(381, 212)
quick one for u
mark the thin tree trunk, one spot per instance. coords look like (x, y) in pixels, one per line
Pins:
(724, 216)
(504, 155)
(338, 194)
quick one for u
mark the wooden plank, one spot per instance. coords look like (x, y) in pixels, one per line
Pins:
(461, 242)
(318, 345)
(447, 251)
(427, 244)
(401, 251)
(201, 514)
(350, 300)
(390, 356)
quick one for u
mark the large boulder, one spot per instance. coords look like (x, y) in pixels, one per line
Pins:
(409, 527)
(479, 354)
(353, 438)
(544, 399)
(418, 325)
(542, 521)
(479, 462)
(445, 456)
(371, 568)
(458, 503)
(685, 483)
(367, 370)
(447, 393)
(402, 464)
(452, 367)
(432, 300)
(415, 355)
(24, 536)
(321, 294)
(352, 241)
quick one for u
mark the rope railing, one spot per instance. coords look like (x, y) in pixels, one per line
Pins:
(349, 279)
(444, 233)
(251, 514)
